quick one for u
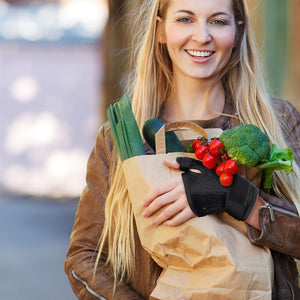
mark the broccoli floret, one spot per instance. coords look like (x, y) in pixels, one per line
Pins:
(246, 144)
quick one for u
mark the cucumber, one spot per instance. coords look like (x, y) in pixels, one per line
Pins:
(149, 130)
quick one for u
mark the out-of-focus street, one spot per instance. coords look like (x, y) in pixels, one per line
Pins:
(50, 66)
(34, 240)
(50, 88)
(49, 117)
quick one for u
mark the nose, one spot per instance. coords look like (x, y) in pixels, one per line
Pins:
(202, 33)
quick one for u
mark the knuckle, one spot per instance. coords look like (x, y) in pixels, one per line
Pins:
(156, 204)
(172, 223)
(167, 213)
(157, 190)
(181, 189)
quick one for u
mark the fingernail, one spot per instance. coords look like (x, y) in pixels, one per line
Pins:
(143, 203)
(144, 214)
(169, 160)
(153, 222)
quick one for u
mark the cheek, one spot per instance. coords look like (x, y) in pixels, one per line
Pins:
(171, 37)
(227, 41)
(175, 36)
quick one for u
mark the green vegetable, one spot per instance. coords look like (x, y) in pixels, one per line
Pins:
(280, 159)
(246, 144)
(124, 128)
(149, 130)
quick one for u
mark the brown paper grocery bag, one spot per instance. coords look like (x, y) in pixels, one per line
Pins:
(205, 258)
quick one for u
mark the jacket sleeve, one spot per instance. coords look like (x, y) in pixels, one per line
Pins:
(279, 219)
(88, 223)
(280, 226)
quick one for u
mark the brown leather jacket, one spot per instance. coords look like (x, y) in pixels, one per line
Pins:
(279, 222)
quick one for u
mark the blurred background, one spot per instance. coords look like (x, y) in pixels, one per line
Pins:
(61, 64)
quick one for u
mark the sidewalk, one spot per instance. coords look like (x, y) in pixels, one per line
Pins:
(34, 240)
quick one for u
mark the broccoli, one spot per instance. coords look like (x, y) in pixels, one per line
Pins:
(246, 144)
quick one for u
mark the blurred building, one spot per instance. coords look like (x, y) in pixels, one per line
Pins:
(277, 30)
(281, 44)
(51, 71)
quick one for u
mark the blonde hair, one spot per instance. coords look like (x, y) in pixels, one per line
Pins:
(150, 84)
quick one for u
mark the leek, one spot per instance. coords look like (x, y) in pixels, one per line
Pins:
(124, 128)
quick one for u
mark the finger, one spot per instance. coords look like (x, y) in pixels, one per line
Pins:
(171, 163)
(185, 215)
(161, 201)
(158, 191)
(169, 212)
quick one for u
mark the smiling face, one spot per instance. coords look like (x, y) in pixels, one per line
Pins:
(199, 35)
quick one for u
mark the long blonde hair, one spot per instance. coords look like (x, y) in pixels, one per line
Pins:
(150, 84)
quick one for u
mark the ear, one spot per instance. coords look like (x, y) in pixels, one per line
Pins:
(241, 25)
(160, 30)
(239, 31)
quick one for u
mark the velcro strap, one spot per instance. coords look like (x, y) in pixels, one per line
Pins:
(187, 163)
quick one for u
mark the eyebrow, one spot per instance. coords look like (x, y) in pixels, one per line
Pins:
(213, 15)
(185, 11)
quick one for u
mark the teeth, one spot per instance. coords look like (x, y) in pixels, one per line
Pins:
(199, 53)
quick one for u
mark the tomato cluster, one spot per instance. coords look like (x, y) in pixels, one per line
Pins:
(213, 155)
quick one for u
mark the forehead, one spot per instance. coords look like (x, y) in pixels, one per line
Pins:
(200, 6)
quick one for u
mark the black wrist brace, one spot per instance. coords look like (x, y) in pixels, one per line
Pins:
(206, 195)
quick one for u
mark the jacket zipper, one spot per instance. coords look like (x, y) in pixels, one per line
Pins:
(291, 288)
(271, 212)
(272, 208)
(288, 282)
(92, 292)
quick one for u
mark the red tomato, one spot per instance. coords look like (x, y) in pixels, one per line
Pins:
(209, 160)
(224, 157)
(197, 142)
(200, 151)
(231, 166)
(216, 147)
(226, 179)
(220, 169)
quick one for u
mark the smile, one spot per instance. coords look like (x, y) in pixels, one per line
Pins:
(200, 53)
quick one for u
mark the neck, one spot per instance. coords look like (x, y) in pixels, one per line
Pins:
(190, 101)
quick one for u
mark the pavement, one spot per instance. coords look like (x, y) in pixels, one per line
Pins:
(34, 239)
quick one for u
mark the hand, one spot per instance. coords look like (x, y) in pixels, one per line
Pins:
(171, 194)
(206, 195)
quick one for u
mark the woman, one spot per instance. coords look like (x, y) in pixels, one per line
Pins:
(195, 60)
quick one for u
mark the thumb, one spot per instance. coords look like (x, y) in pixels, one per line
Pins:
(171, 163)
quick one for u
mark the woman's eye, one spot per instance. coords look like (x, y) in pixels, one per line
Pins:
(219, 22)
(184, 20)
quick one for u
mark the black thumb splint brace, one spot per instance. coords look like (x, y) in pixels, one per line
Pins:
(206, 195)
